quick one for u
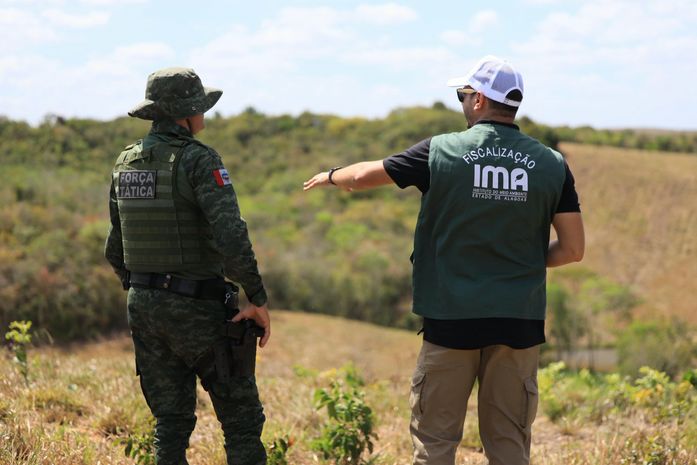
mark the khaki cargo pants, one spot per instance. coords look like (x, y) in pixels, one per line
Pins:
(507, 402)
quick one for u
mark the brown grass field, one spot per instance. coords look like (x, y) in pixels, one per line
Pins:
(82, 399)
(640, 214)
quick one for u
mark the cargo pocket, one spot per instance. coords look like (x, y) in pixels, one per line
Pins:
(417, 387)
(530, 400)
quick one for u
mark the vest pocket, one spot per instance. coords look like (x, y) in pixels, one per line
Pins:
(417, 386)
(530, 400)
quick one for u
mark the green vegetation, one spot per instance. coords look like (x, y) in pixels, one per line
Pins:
(349, 432)
(277, 451)
(665, 345)
(322, 251)
(19, 339)
(140, 446)
(662, 413)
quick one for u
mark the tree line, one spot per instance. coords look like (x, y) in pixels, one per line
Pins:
(345, 254)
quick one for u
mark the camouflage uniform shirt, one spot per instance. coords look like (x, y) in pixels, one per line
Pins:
(218, 204)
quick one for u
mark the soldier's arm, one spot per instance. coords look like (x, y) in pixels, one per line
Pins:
(113, 248)
(216, 197)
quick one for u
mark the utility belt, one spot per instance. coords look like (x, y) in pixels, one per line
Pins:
(205, 289)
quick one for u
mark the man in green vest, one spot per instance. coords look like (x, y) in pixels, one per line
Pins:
(176, 233)
(481, 249)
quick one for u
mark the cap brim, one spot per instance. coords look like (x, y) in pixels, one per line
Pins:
(458, 81)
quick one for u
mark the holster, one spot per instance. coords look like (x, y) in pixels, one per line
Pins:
(235, 354)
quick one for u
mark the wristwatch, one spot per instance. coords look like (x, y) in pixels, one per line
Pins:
(331, 172)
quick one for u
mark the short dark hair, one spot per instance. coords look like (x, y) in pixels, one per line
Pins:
(507, 110)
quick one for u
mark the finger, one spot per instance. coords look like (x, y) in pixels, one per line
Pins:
(265, 337)
(241, 315)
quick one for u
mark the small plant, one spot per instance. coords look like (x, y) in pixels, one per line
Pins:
(140, 446)
(649, 450)
(349, 431)
(19, 338)
(278, 450)
(691, 377)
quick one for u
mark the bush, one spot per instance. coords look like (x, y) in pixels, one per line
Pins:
(349, 431)
(664, 345)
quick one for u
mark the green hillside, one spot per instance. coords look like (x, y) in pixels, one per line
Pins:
(334, 252)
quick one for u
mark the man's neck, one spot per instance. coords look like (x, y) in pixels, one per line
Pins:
(495, 118)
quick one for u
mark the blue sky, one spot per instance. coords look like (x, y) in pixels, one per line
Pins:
(605, 63)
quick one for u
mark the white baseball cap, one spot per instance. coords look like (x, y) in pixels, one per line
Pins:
(493, 77)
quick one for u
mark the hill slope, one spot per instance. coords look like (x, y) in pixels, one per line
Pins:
(82, 400)
(641, 222)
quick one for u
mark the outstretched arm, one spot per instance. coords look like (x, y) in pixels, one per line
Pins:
(570, 244)
(363, 175)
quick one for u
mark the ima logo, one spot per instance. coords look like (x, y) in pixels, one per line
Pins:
(498, 177)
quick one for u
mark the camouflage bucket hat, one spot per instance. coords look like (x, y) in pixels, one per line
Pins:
(175, 93)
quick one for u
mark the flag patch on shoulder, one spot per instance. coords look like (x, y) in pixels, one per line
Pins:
(221, 177)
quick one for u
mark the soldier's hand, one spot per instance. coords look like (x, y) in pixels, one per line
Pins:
(260, 315)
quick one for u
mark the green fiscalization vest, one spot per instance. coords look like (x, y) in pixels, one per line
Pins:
(163, 230)
(482, 235)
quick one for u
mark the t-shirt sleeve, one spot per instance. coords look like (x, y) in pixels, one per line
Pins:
(410, 168)
(568, 202)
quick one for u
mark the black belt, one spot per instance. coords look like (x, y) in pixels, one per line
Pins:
(206, 289)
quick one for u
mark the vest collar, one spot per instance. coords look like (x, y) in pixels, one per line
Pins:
(170, 127)
(488, 121)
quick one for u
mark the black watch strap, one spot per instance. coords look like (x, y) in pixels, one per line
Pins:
(331, 172)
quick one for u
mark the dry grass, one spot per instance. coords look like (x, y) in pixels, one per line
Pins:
(641, 223)
(83, 399)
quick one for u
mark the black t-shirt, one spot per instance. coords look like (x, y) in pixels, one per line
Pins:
(410, 168)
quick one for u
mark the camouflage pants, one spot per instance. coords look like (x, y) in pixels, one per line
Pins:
(170, 333)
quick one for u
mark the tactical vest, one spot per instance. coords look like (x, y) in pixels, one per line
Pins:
(482, 235)
(163, 230)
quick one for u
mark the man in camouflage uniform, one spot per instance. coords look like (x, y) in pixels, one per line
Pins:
(176, 232)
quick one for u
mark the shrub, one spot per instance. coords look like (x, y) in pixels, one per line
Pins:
(665, 346)
(19, 338)
(349, 431)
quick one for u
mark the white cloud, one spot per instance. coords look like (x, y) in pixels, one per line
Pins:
(111, 2)
(103, 87)
(19, 27)
(608, 52)
(31, 2)
(474, 32)
(484, 20)
(61, 18)
(315, 58)
(387, 13)
(399, 58)
(281, 44)
(454, 37)
(542, 2)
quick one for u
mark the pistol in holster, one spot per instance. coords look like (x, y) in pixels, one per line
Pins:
(235, 354)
